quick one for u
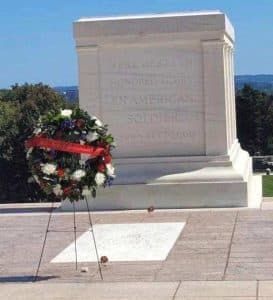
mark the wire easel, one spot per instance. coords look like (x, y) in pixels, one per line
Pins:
(93, 237)
(75, 236)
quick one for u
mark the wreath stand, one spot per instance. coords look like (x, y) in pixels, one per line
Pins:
(93, 237)
(51, 133)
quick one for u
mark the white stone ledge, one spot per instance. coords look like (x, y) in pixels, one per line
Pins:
(150, 24)
(145, 16)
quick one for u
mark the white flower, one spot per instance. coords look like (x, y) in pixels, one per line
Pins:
(49, 168)
(30, 179)
(84, 158)
(36, 178)
(86, 191)
(78, 174)
(37, 130)
(100, 178)
(97, 121)
(57, 190)
(110, 170)
(29, 152)
(48, 178)
(92, 136)
(66, 113)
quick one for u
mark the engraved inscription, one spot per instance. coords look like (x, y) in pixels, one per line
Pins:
(145, 82)
(160, 116)
(156, 99)
(152, 99)
(152, 64)
(162, 136)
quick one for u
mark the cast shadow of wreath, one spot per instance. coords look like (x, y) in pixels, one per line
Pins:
(23, 210)
(15, 279)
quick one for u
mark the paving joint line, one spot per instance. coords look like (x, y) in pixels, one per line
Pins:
(230, 245)
(176, 290)
(181, 235)
(64, 231)
(257, 289)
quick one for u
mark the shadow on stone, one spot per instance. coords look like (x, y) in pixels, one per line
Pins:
(25, 278)
(22, 210)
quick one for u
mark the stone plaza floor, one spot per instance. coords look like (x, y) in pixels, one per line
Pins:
(219, 254)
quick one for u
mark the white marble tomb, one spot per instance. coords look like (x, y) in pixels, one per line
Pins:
(165, 85)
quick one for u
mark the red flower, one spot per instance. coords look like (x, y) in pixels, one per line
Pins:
(102, 144)
(67, 191)
(60, 172)
(43, 135)
(101, 167)
(59, 134)
(107, 158)
(42, 184)
(37, 167)
(80, 123)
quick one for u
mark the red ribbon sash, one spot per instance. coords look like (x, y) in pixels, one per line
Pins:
(41, 142)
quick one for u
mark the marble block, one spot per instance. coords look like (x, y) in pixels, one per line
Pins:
(124, 242)
(165, 85)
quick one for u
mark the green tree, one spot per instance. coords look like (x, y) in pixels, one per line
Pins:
(9, 114)
(22, 106)
(254, 111)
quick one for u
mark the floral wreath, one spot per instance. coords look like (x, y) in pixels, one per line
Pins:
(69, 154)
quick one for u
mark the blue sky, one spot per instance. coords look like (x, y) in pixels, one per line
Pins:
(37, 44)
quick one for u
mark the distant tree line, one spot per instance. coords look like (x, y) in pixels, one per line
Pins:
(254, 111)
(263, 83)
(21, 106)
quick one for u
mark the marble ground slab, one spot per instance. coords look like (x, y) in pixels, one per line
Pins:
(123, 242)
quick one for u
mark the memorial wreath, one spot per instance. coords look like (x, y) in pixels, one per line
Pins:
(69, 154)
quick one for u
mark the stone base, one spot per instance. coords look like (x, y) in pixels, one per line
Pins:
(221, 183)
(190, 195)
